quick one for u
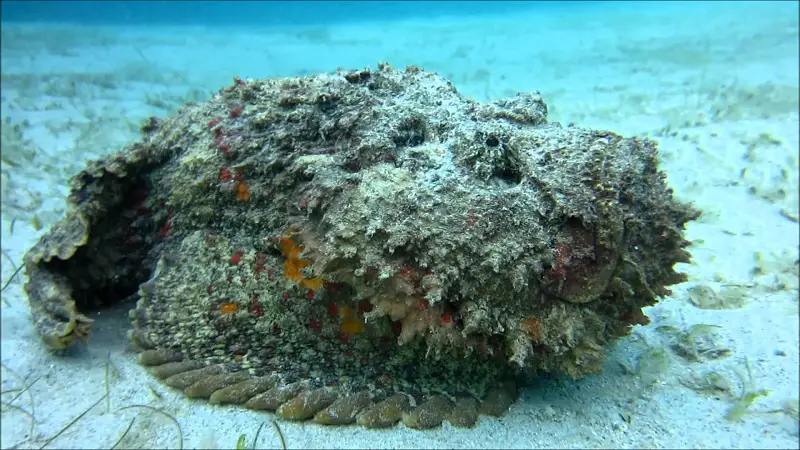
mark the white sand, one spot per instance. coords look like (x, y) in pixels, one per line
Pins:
(716, 84)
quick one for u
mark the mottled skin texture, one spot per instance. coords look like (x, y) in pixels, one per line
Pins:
(364, 232)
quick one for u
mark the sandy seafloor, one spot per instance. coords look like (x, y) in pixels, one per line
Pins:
(716, 85)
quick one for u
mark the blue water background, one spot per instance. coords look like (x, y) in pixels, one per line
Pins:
(264, 13)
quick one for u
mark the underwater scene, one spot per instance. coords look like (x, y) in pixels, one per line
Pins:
(320, 224)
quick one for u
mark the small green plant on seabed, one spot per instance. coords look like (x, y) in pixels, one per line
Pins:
(750, 393)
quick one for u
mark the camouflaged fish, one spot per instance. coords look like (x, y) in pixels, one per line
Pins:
(363, 247)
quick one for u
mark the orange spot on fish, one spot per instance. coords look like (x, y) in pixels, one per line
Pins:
(292, 267)
(242, 191)
(351, 323)
(228, 308)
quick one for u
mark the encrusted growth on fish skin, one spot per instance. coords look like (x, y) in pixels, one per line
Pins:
(340, 228)
(285, 332)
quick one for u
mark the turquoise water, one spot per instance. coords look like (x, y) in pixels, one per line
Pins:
(256, 13)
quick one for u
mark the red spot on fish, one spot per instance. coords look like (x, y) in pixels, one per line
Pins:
(237, 257)
(333, 310)
(221, 145)
(407, 272)
(364, 306)
(236, 112)
(224, 148)
(166, 228)
(332, 287)
(255, 307)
